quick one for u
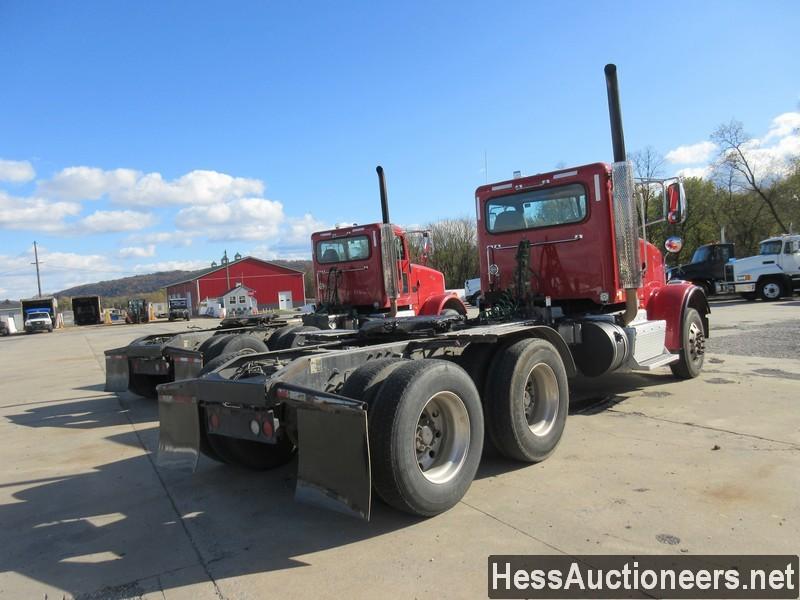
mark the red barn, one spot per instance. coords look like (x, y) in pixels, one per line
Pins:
(273, 286)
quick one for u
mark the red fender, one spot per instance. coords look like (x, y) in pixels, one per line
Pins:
(436, 304)
(669, 302)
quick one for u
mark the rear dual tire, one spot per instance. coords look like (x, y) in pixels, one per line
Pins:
(425, 435)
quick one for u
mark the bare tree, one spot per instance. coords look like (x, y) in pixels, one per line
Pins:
(455, 250)
(737, 164)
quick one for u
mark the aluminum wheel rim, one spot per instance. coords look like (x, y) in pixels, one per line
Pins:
(772, 291)
(540, 399)
(697, 342)
(441, 438)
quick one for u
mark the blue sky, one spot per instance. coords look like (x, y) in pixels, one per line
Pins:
(151, 135)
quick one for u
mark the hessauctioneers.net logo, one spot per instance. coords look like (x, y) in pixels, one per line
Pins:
(598, 576)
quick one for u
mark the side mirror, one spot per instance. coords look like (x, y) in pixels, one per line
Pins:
(427, 247)
(673, 244)
(676, 203)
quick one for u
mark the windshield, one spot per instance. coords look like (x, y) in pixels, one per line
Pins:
(770, 247)
(541, 208)
(343, 249)
(39, 315)
(181, 303)
(701, 254)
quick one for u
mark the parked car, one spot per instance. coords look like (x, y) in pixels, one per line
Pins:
(38, 321)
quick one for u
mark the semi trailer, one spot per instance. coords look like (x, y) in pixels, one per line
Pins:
(399, 407)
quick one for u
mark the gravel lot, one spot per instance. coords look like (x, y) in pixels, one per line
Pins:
(646, 465)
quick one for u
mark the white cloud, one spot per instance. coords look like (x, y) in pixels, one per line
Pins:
(134, 188)
(299, 230)
(59, 270)
(692, 154)
(138, 251)
(34, 213)
(172, 265)
(699, 172)
(88, 183)
(243, 219)
(108, 221)
(784, 125)
(16, 171)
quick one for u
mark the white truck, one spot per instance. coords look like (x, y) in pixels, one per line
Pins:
(773, 273)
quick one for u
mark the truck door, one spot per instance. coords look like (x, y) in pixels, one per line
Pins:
(789, 261)
(719, 257)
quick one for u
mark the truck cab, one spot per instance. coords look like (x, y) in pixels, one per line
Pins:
(38, 320)
(365, 271)
(178, 309)
(706, 269)
(773, 273)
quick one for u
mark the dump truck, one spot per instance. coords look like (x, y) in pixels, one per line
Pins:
(87, 310)
(365, 272)
(400, 406)
(39, 314)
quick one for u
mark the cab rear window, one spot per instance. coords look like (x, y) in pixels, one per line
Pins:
(537, 209)
(343, 249)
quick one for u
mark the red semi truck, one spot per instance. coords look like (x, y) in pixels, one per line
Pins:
(400, 406)
(365, 271)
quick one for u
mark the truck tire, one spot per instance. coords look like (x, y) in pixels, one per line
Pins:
(293, 338)
(693, 342)
(206, 344)
(214, 349)
(241, 342)
(215, 363)
(527, 400)
(275, 339)
(425, 436)
(363, 383)
(749, 296)
(770, 290)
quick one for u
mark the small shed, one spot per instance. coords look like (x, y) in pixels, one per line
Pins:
(239, 300)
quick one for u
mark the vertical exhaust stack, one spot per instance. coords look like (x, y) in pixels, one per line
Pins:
(384, 195)
(626, 231)
(389, 256)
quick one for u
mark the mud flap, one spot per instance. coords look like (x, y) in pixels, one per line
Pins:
(185, 364)
(333, 451)
(116, 370)
(179, 430)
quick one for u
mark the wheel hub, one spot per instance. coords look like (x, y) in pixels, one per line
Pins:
(541, 399)
(442, 437)
(697, 342)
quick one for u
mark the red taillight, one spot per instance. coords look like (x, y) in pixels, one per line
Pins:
(266, 427)
(214, 421)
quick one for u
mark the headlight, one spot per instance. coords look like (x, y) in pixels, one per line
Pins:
(743, 278)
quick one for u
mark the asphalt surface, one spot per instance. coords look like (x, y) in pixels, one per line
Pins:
(646, 465)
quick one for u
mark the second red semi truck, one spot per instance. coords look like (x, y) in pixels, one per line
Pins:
(400, 406)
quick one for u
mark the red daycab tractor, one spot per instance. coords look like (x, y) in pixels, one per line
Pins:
(399, 407)
(365, 271)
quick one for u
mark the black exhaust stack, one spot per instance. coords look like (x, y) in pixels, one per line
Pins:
(615, 113)
(384, 195)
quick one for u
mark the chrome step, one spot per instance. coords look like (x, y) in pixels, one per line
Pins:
(654, 363)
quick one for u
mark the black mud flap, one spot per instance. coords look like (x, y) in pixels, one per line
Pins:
(116, 370)
(333, 450)
(186, 364)
(179, 428)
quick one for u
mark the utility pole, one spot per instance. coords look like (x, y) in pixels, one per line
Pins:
(38, 279)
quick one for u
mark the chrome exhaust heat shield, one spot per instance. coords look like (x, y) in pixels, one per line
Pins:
(333, 453)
